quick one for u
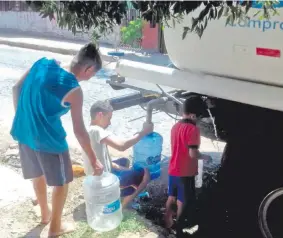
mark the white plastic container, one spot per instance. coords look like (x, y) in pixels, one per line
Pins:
(102, 198)
(198, 181)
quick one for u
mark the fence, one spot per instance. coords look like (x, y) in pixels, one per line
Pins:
(132, 15)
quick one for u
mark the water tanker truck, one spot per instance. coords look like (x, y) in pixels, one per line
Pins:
(237, 69)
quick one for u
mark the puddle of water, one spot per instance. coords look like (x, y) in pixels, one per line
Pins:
(153, 207)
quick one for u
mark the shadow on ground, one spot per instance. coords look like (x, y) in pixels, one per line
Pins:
(35, 232)
(80, 213)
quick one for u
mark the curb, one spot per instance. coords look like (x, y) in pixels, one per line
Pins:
(39, 47)
(63, 51)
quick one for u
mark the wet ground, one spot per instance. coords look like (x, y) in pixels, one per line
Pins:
(152, 207)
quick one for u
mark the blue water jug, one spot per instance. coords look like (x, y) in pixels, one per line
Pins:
(147, 154)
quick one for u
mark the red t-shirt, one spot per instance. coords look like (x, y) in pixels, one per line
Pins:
(183, 135)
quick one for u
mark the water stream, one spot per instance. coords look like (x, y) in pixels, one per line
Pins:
(215, 131)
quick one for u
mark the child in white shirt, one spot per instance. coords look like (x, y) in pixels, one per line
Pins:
(132, 181)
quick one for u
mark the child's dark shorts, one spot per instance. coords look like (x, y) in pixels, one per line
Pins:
(129, 180)
(181, 187)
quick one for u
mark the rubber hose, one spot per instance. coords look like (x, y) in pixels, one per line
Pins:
(262, 212)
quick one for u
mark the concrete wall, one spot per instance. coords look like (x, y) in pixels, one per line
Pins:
(32, 22)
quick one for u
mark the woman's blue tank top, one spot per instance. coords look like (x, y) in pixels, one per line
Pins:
(37, 121)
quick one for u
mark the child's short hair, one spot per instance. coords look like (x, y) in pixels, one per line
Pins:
(100, 106)
(194, 105)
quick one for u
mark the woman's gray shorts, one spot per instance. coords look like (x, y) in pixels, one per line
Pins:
(57, 168)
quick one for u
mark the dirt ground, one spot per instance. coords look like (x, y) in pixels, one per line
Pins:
(21, 219)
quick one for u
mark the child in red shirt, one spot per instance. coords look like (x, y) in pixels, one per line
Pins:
(183, 167)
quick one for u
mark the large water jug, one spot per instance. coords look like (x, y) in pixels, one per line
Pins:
(102, 198)
(147, 154)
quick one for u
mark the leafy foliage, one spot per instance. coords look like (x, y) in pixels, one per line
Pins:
(132, 32)
(83, 15)
(104, 15)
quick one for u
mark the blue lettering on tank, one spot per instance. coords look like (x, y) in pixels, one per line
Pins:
(263, 25)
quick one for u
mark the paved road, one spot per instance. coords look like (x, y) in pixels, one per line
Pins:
(14, 61)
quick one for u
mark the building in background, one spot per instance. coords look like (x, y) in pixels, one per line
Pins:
(17, 17)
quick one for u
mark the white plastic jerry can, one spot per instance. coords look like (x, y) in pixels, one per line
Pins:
(198, 179)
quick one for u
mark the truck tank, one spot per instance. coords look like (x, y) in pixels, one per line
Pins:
(238, 68)
(249, 50)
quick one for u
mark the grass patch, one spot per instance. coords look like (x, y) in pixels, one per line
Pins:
(130, 224)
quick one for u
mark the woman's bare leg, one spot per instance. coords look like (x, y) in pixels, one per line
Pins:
(40, 189)
(58, 228)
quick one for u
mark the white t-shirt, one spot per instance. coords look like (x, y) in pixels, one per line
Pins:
(96, 134)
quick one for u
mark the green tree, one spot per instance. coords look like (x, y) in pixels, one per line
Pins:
(132, 32)
(104, 15)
